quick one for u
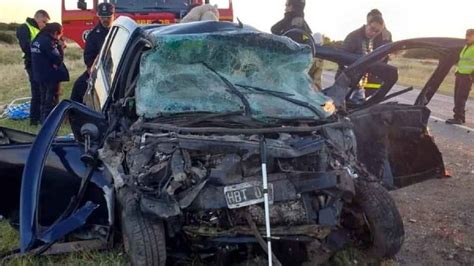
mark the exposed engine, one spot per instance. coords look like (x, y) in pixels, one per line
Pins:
(214, 181)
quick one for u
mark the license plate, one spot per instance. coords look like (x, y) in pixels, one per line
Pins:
(246, 194)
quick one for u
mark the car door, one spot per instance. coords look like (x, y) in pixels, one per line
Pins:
(90, 192)
(393, 138)
(106, 66)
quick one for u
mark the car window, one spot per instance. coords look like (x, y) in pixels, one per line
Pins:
(114, 52)
(99, 95)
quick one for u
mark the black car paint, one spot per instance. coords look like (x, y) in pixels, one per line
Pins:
(63, 172)
(65, 164)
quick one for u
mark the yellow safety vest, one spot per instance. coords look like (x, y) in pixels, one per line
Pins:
(466, 60)
(33, 31)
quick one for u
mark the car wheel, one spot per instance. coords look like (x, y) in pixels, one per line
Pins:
(143, 235)
(382, 220)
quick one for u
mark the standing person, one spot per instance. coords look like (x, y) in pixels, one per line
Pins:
(294, 19)
(48, 67)
(386, 36)
(362, 42)
(95, 39)
(61, 46)
(316, 70)
(25, 34)
(464, 80)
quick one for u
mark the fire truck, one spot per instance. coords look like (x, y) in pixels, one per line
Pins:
(79, 16)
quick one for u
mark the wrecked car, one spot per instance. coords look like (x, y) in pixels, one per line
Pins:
(181, 124)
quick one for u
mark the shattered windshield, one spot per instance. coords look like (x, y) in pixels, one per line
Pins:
(228, 72)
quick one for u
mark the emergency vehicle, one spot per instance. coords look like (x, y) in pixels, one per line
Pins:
(79, 16)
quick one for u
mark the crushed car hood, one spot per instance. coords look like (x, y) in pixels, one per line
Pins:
(207, 72)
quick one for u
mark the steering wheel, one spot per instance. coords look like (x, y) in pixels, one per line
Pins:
(312, 42)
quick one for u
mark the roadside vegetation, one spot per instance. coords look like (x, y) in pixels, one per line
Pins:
(14, 82)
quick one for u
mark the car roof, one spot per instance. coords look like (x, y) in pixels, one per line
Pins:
(197, 27)
(183, 28)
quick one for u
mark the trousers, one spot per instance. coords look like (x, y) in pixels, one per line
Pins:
(462, 88)
(35, 112)
(48, 101)
(80, 87)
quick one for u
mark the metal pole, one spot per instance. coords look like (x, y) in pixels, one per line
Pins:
(263, 155)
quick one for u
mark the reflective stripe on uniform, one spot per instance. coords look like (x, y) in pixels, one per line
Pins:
(33, 31)
(373, 86)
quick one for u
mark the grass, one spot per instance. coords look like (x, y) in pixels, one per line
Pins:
(416, 72)
(15, 82)
(8, 37)
(9, 241)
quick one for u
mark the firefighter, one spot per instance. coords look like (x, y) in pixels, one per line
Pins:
(464, 80)
(47, 60)
(294, 19)
(25, 34)
(95, 39)
(362, 42)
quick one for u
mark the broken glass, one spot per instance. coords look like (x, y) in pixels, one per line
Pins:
(184, 73)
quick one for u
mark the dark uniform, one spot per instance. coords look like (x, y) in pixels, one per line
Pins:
(48, 70)
(25, 33)
(293, 20)
(357, 43)
(94, 43)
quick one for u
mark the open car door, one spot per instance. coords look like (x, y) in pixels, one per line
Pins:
(393, 139)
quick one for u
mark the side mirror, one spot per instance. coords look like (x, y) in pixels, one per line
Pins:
(82, 4)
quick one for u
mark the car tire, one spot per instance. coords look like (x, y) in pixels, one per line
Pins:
(143, 235)
(382, 218)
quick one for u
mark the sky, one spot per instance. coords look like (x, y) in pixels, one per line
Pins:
(334, 18)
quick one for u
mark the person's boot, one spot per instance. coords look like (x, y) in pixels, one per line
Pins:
(454, 121)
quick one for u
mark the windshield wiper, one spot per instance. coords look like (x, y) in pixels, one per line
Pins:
(233, 90)
(284, 96)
